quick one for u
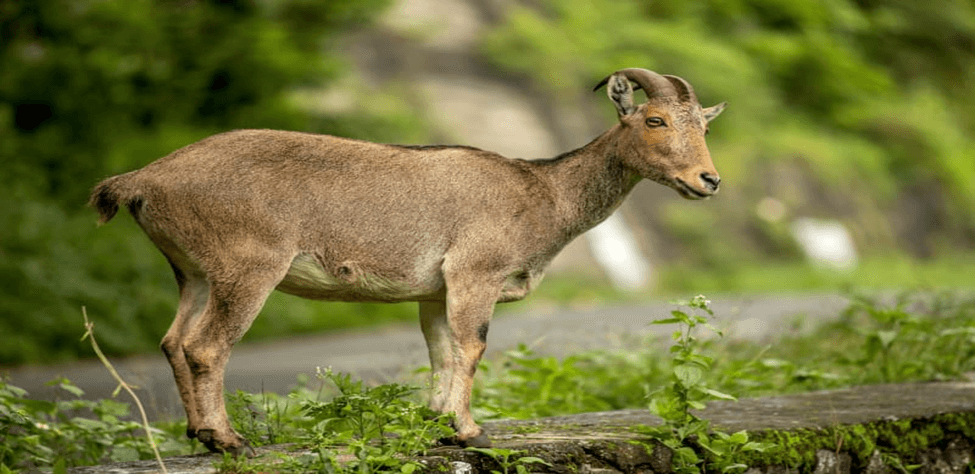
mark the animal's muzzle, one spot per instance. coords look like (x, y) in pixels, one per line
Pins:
(711, 181)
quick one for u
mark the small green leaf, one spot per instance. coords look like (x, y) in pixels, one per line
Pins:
(492, 452)
(886, 338)
(717, 394)
(88, 424)
(740, 437)
(70, 387)
(732, 467)
(701, 361)
(757, 447)
(666, 321)
(533, 459)
(690, 375)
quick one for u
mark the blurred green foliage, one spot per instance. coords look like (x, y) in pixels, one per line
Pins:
(93, 88)
(857, 109)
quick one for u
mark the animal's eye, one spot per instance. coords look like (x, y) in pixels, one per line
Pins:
(655, 122)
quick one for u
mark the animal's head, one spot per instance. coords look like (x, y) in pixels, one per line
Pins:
(663, 139)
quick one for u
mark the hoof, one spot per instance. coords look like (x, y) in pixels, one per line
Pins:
(480, 441)
(238, 446)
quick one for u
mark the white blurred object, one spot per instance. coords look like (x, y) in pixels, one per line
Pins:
(615, 249)
(826, 243)
(460, 467)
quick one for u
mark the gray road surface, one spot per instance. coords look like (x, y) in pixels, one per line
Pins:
(382, 354)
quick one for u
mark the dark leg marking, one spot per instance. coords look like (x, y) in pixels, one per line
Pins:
(482, 333)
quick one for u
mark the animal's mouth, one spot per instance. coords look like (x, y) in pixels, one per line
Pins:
(690, 192)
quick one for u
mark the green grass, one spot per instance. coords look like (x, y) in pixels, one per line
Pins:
(923, 336)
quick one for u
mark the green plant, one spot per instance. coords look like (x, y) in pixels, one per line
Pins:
(934, 340)
(688, 390)
(506, 459)
(90, 335)
(725, 450)
(36, 434)
(360, 429)
(39, 434)
(523, 384)
(265, 418)
(378, 425)
(544, 385)
(230, 464)
(901, 344)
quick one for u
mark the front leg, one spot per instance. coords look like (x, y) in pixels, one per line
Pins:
(470, 304)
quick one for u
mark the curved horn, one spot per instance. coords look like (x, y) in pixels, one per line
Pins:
(651, 82)
(684, 90)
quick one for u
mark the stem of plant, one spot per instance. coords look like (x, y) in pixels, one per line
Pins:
(90, 334)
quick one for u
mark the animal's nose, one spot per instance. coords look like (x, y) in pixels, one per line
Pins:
(712, 181)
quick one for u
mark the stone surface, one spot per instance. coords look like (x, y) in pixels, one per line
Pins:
(811, 410)
(828, 462)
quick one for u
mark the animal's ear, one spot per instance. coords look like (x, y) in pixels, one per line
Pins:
(621, 93)
(711, 112)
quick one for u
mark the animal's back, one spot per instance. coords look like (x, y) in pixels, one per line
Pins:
(332, 199)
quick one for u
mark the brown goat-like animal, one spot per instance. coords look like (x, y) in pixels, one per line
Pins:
(456, 229)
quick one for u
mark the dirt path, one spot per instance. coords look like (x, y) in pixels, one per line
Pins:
(382, 354)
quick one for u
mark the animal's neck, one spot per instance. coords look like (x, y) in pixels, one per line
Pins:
(589, 184)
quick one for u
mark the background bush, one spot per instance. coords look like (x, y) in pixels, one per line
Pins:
(90, 89)
(852, 109)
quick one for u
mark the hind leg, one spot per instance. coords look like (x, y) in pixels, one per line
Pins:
(194, 292)
(436, 331)
(231, 308)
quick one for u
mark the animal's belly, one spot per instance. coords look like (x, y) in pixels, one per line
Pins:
(350, 281)
(518, 285)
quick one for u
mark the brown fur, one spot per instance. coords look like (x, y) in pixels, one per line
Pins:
(456, 229)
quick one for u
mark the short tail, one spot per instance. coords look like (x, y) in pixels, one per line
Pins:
(107, 196)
